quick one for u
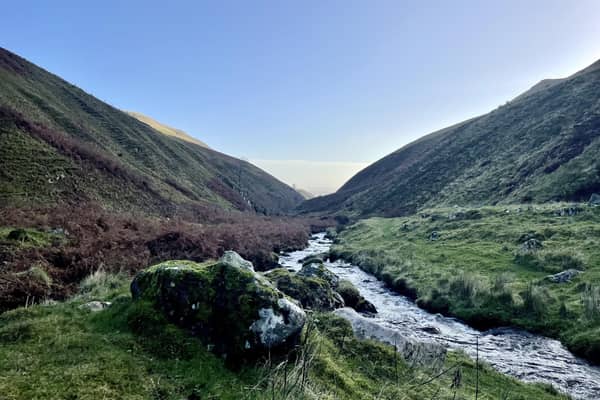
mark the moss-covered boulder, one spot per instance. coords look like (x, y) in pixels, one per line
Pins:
(353, 298)
(314, 269)
(235, 311)
(312, 292)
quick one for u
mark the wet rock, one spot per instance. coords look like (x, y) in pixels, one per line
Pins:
(95, 306)
(417, 352)
(232, 308)
(312, 291)
(594, 200)
(564, 276)
(353, 298)
(318, 270)
(431, 330)
(313, 259)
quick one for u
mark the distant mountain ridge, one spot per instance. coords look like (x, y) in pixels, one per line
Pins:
(542, 146)
(60, 144)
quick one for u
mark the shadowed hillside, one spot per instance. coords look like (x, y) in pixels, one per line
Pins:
(542, 146)
(59, 144)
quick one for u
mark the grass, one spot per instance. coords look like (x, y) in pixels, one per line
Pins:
(478, 268)
(129, 351)
(60, 144)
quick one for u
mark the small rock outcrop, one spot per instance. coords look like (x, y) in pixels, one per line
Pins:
(95, 306)
(424, 352)
(311, 290)
(353, 298)
(531, 246)
(311, 269)
(233, 309)
(595, 199)
(564, 276)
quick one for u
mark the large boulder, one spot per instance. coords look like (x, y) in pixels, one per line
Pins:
(353, 298)
(312, 291)
(233, 309)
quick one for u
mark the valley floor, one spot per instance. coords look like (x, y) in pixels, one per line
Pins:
(490, 266)
(64, 351)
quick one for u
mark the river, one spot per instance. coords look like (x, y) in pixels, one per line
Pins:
(526, 356)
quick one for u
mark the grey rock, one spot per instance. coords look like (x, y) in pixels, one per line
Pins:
(426, 352)
(531, 246)
(595, 199)
(434, 236)
(318, 270)
(431, 330)
(564, 276)
(228, 305)
(95, 306)
(233, 259)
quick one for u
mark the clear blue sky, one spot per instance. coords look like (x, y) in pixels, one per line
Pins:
(343, 81)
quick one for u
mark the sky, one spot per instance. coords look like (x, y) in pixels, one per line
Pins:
(312, 91)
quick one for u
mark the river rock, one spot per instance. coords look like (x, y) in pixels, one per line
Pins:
(312, 291)
(425, 353)
(233, 309)
(353, 298)
(431, 330)
(594, 200)
(318, 270)
(564, 276)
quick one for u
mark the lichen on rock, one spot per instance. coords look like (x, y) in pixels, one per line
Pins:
(225, 303)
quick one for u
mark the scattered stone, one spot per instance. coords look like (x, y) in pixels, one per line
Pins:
(225, 303)
(431, 330)
(434, 236)
(531, 246)
(95, 306)
(353, 298)
(595, 199)
(568, 211)
(564, 276)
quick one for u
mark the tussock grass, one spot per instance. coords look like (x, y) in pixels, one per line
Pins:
(479, 269)
(129, 351)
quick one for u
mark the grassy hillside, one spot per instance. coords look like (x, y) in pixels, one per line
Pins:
(488, 266)
(129, 352)
(165, 129)
(540, 147)
(59, 144)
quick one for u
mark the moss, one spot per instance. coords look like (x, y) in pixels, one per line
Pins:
(129, 351)
(464, 274)
(312, 292)
(215, 301)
